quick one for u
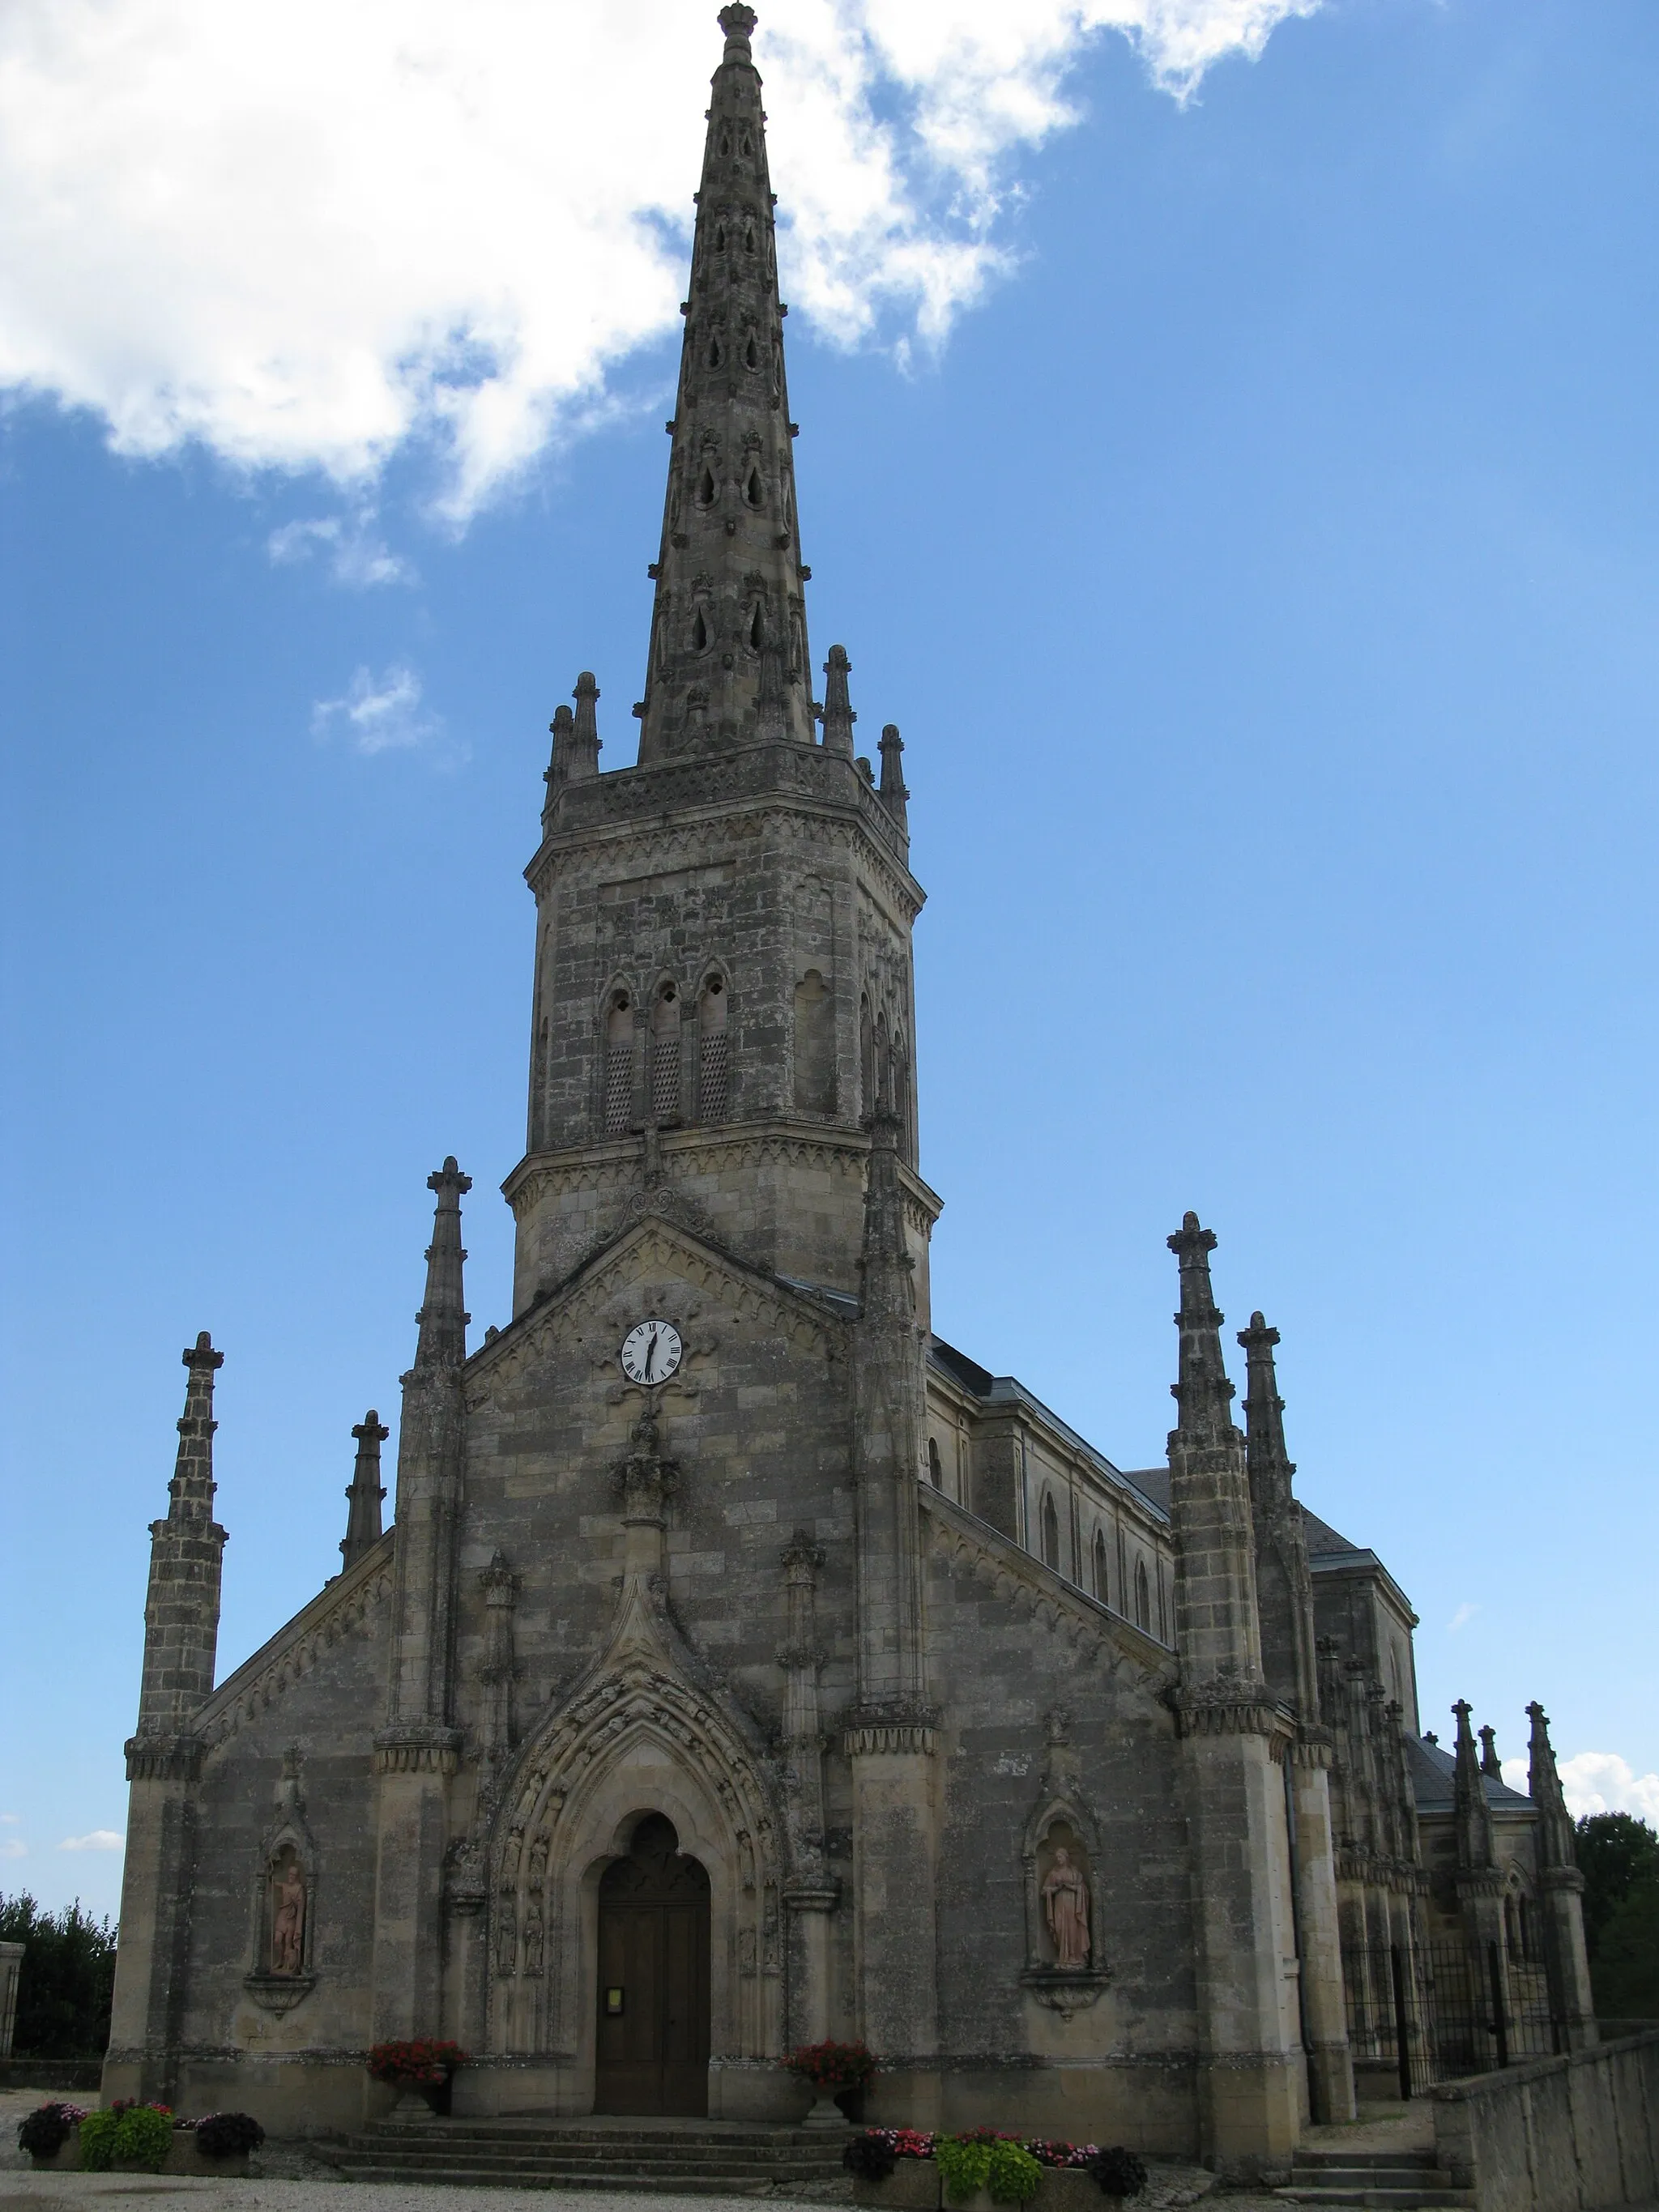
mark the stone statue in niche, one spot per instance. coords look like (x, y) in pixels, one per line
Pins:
(1066, 1910)
(288, 1916)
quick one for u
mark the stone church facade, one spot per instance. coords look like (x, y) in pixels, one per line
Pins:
(744, 1665)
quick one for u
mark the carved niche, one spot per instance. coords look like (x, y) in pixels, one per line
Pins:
(1065, 1968)
(285, 1901)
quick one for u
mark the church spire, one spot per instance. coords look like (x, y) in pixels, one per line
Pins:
(366, 1494)
(443, 1318)
(728, 660)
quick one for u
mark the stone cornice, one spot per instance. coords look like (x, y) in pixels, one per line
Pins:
(408, 1748)
(341, 1608)
(706, 1148)
(1226, 1706)
(164, 1758)
(679, 804)
(1038, 1592)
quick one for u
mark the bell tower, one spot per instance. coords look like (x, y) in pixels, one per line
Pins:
(723, 994)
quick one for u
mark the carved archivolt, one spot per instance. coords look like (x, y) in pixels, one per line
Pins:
(639, 1734)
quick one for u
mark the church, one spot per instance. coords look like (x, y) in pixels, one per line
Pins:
(744, 1665)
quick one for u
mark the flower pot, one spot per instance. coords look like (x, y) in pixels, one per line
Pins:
(912, 2186)
(825, 2112)
(420, 2102)
(185, 2155)
(1067, 2189)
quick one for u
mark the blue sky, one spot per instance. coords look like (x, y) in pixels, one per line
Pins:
(1262, 569)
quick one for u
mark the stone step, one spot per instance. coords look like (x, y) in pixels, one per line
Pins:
(1357, 2174)
(1419, 2161)
(452, 2160)
(741, 2182)
(1414, 2198)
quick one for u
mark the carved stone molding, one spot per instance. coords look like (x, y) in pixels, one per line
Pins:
(867, 1739)
(279, 1992)
(345, 1608)
(1228, 1704)
(164, 1758)
(406, 1750)
(1066, 1989)
(813, 1897)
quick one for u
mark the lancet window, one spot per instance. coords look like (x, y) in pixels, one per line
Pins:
(935, 1470)
(713, 1046)
(665, 1055)
(619, 1065)
(1102, 1590)
(1143, 1597)
(1050, 1521)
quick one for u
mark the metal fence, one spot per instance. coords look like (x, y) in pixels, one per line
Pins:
(1435, 2011)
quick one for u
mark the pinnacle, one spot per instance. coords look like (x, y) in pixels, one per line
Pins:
(728, 659)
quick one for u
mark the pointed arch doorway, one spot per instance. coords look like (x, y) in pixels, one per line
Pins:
(652, 2049)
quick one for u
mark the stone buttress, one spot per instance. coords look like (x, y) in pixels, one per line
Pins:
(164, 1758)
(418, 1750)
(1234, 1734)
(1285, 1608)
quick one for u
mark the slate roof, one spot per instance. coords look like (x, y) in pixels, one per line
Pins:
(1152, 1485)
(1433, 1770)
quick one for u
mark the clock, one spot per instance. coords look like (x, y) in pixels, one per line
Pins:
(651, 1351)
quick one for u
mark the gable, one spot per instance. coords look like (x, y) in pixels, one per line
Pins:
(656, 1260)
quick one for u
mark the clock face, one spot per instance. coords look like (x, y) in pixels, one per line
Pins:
(651, 1351)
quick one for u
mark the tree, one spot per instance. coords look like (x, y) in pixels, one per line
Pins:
(1614, 1852)
(69, 1973)
(1619, 1858)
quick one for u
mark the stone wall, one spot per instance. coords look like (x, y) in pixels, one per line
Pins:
(1576, 2134)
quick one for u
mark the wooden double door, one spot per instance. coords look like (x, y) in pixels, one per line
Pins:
(653, 2043)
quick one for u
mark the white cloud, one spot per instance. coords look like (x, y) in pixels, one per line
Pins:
(11, 1820)
(308, 238)
(13, 1847)
(101, 1839)
(379, 714)
(357, 554)
(1601, 1782)
(1461, 1619)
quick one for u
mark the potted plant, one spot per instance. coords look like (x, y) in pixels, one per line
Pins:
(218, 2144)
(829, 2067)
(48, 2134)
(127, 2138)
(983, 2168)
(893, 2166)
(422, 2071)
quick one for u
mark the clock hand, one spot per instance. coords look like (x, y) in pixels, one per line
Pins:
(650, 1355)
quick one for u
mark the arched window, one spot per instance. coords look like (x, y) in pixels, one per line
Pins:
(665, 1055)
(706, 488)
(753, 492)
(814, 1045)
(619, 1065)
(1050, 1533)
(698, 633)
(935, 1471)
(1101, 1589)
(712, 1079)
(1143, 1597)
